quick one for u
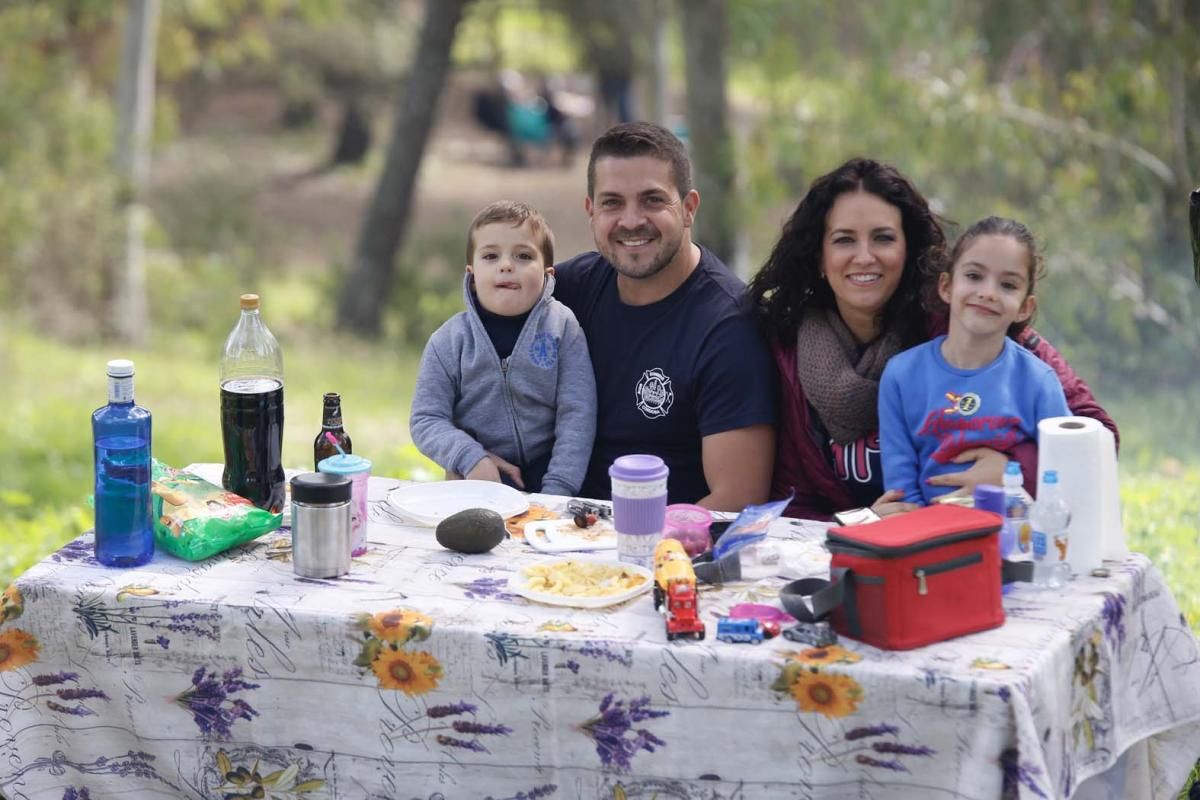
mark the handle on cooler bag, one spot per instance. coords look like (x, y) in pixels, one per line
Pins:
(814, 599)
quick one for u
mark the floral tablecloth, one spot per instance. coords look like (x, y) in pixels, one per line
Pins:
(420, 675)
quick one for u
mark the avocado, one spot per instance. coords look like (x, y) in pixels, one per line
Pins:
(476, 530)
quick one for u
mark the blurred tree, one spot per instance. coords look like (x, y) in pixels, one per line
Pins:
(367, 285)
(712, 147)
(128, 304)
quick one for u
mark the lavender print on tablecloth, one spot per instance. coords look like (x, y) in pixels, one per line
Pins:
(210, 704)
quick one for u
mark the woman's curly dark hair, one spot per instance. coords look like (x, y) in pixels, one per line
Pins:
(790, 280)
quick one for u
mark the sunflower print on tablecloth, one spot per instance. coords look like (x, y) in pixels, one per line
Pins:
(11, 604)
(819, 691)
(832, 654)
(17, 648)
(386, 653)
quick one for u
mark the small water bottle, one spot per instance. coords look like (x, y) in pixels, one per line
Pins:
(1016, 514)
(121, 446)
(1051, 516)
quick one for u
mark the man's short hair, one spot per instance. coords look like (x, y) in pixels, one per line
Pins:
(517, 214)
(642, 139)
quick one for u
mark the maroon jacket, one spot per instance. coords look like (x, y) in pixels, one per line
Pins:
(800, 462)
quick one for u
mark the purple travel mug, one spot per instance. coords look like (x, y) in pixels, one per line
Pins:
(639, 495)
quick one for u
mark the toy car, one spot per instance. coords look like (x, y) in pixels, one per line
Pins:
(735, 630)
(817, 634)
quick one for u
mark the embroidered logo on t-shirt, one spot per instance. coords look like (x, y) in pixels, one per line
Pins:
(543, 350)
(965, 404)
(654, 395)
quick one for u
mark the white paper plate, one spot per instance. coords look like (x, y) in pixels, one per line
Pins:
(430, 503)
(518, 584)
(563, 535)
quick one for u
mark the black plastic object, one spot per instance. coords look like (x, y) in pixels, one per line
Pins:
(320, 488)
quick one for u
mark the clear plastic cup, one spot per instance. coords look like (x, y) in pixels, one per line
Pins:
(358, 470)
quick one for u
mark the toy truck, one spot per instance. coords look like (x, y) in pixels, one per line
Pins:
(675, 590)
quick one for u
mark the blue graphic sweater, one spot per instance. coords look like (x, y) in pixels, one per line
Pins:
(929, 412)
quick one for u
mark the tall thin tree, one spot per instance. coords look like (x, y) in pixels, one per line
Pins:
(367, 285)
(704, 28)
(128, 305)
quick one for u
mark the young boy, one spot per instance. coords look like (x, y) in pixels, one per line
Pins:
(975, 386)
(505, 391)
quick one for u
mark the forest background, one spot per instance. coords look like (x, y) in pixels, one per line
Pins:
(1080, 117)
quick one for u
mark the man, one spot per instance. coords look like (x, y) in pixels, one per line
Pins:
(681, 371)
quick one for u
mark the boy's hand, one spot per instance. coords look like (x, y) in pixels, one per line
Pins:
(988, 468)
(490, 469)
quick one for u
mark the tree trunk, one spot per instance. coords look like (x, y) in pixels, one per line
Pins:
(128, 303)
(704, 27)
(368, 285)
(657, 99)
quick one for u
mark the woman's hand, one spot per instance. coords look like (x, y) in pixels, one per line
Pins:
(890, 502)
(988, 468)
(491, 467)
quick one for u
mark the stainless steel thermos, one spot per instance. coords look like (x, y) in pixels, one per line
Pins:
(320, 525)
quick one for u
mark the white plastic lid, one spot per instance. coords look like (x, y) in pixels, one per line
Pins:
(120, 368)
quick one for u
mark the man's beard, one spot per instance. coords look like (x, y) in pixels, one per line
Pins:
(640, 270)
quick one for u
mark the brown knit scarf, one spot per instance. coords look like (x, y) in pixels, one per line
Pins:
(842, 385)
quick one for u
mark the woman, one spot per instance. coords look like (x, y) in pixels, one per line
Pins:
(845, 288)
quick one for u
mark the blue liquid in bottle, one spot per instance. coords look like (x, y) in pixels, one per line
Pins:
(124, 510)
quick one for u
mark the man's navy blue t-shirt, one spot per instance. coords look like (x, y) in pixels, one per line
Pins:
(668, 373)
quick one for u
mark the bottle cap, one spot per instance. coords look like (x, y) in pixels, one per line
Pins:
(249, 302)
(1050, 476)
(317, 487)
(120, 368)
(1012, 468)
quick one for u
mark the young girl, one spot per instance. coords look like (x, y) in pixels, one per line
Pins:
(975, 386)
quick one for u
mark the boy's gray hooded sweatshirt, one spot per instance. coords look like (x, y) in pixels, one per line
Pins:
(539, 400)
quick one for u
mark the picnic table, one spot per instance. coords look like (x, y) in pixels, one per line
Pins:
(422, 674)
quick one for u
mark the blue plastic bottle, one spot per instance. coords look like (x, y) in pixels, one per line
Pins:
(121, 438)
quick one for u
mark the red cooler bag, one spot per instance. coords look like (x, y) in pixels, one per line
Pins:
(912, 579)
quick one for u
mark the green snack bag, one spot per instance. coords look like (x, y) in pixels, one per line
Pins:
(195, 519)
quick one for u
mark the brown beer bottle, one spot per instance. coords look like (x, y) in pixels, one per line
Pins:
(331, 422)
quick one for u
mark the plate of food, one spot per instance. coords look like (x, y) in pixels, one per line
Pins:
(564, 535)
(581, 584)
(430, 503)
(537, 511)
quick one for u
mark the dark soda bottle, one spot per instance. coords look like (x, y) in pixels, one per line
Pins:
(121, 439)
(331, 422)
(252, 410)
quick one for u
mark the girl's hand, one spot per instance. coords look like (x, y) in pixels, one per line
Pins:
(988, 468)
(890, 503)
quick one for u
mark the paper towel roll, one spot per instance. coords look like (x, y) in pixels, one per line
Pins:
(1084, 454)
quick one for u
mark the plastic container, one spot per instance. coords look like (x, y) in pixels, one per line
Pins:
(121, 449)
(989, 497)
(689, 524)
(639, 497)
(320, 525)
(252, 410)
(1016, 514)
(1051, 518)
(358, 470)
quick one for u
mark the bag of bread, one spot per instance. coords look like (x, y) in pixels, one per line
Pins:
(195, 519)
